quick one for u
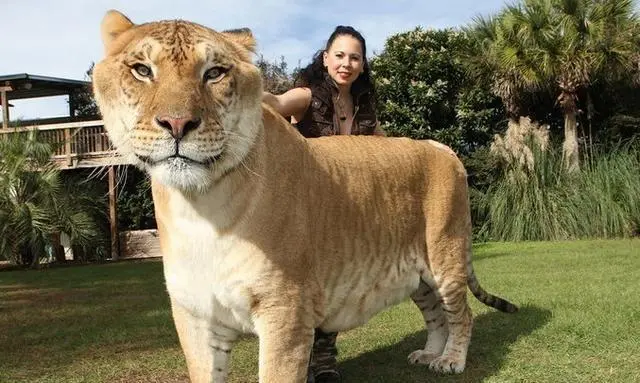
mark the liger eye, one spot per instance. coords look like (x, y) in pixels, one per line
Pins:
(215, 74)
(142, 70)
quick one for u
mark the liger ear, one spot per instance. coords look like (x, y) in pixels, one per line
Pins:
(242, 36)
(113, 25)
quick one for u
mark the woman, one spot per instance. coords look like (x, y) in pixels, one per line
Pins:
(334, 95)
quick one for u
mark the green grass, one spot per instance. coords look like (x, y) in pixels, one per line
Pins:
(579, 322)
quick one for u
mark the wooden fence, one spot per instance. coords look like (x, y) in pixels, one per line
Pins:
(76, 144)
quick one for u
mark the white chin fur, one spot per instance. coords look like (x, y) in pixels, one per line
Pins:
(181, 174)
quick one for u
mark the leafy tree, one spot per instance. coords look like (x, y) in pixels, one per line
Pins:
(614, 113)
(84, 104)
(423, 91)
(275, 77)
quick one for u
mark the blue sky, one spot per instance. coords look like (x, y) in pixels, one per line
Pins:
(61, 38)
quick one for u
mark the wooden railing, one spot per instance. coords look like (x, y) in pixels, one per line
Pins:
(76, 144)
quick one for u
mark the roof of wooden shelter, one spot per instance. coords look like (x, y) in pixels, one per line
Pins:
(26, 85)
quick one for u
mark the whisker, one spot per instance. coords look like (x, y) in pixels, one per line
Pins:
(241, 137)
(121, 178)
(243, 163)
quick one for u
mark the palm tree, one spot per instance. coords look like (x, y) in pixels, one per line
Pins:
(598, 44)
(36, 204)
(560, 46)
(488, 42)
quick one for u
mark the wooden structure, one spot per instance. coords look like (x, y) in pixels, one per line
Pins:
(23, 85)
(139, 244)
(79, 142)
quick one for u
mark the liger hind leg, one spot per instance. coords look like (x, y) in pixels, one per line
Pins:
(453, 293)
(447, 251)
(448, 238)
(436, 322)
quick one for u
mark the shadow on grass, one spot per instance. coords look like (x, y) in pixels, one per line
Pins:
(55, 319)
(494, 333)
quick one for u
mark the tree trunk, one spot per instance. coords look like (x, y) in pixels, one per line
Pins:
(58, 250)
(570, 150)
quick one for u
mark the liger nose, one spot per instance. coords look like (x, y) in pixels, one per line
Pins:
(178, 127)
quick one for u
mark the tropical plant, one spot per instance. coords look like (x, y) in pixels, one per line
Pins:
(557, 46)
(36, 204)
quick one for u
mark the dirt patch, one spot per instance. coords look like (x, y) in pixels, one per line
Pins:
(9, 288)
(135, 377)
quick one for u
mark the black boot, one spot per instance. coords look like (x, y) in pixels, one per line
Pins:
(323, 364)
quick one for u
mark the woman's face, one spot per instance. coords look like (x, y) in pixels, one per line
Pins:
(344, 60)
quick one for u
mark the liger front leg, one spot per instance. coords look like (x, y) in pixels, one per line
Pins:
(206, 346)
(286, 340)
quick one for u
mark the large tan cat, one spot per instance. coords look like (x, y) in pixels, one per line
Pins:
(264, 231)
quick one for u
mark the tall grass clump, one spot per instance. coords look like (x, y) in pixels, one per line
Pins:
(606, 196)
(535, 198)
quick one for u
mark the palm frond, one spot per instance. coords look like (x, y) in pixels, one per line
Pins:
(35, 202)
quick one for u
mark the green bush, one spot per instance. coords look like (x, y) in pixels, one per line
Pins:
(423, 91)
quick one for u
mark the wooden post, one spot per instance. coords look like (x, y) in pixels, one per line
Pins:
(5, 105)
(113, 217)
(67, 146)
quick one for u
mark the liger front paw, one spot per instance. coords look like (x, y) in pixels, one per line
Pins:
(422, 357)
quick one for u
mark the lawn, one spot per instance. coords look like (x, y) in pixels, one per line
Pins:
(579, 322)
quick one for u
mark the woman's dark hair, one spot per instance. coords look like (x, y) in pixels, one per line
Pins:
(315, 73)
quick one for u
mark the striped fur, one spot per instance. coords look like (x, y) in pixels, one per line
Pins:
(263, 231)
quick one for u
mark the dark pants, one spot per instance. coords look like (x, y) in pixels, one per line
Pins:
(324, 353)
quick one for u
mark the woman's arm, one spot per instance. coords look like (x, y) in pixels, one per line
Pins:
(293, 102)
